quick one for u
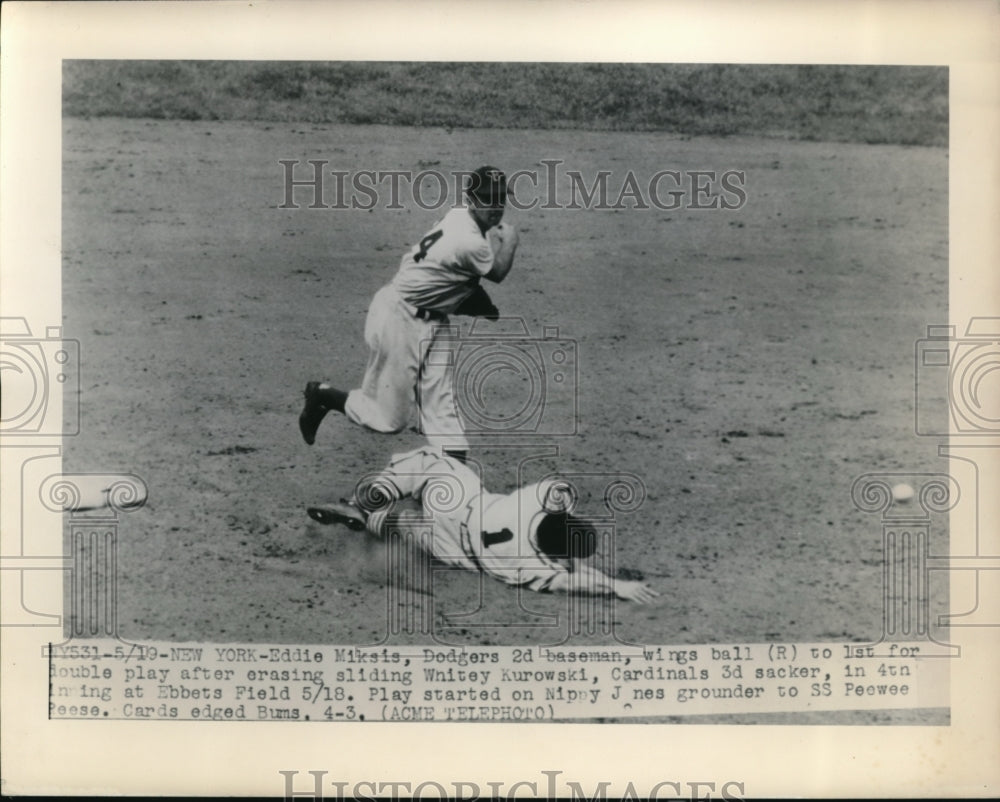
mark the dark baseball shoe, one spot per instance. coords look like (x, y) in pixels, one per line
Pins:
(312, 413)
(338, 513)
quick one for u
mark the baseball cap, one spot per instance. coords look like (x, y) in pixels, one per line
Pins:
(488, 185)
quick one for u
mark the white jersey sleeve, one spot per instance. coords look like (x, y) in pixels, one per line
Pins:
(441, 270)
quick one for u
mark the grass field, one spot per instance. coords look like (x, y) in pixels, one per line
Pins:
(875, 105)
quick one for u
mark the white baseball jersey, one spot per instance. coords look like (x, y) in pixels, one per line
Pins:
(476, 529)
(441, 270)
(436, 275)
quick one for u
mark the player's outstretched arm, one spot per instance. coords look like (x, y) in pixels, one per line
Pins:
(503, 259)
(587, 580)
(634, 591)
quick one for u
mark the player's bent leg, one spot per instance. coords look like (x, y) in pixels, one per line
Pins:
(384, 402)
(439, 418)
(387, 418)
(449, 437)
(376, 492)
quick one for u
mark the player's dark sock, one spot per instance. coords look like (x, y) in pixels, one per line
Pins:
(319, 399)
(331, 398)
(457, 455)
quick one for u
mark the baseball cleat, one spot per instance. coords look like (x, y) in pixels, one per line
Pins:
(338, 513)
(312, 413)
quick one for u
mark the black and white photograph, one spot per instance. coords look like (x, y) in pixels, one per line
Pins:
(355, 392)
(702, 293)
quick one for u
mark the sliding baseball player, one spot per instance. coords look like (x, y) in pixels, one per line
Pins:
(529, 538)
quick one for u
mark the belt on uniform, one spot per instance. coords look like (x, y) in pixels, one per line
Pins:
(427, 314)
(419, 312)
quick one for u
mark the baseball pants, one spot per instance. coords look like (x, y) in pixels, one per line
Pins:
(399, 374)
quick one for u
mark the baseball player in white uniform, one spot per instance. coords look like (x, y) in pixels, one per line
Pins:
(438, 276)
(529, 537)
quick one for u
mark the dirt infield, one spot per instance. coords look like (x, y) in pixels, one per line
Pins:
(747, 365)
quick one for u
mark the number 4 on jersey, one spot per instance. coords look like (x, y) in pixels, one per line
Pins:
(425, 245)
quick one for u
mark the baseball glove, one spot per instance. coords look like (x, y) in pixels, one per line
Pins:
(478, 304)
